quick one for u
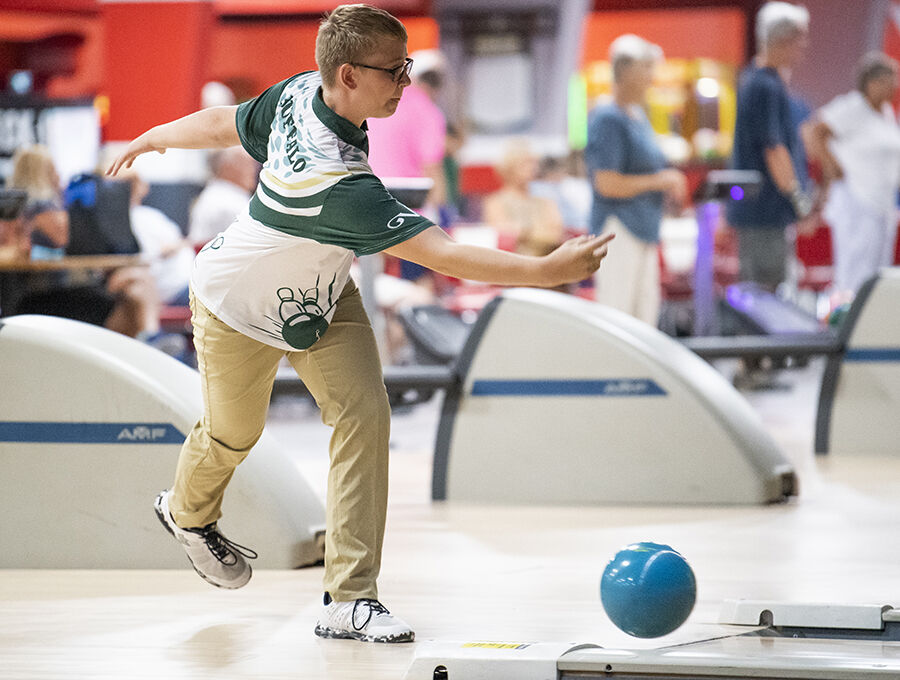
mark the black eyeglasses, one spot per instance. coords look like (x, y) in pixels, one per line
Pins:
(396, 73)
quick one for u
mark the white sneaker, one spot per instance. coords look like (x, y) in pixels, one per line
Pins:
(217, 560)
(365, 620)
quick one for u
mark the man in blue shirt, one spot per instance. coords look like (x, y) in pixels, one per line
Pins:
(766, 139)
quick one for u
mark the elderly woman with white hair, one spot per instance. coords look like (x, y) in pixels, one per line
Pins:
(856, 139)
(630, 180)
(767, 139)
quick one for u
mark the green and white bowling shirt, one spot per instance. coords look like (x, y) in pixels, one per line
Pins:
(275, 274)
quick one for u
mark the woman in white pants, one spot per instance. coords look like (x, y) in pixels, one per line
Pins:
(631, 182)
(856, 138)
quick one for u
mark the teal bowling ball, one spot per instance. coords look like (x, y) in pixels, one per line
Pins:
(648, 589)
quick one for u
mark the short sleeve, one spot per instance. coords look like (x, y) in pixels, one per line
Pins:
(360, 214)
(606, 141)
(254, 120)
(840, 115)
(768, 99)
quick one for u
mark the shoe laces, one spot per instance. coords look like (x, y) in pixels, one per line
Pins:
(222, 548)
(375, 608)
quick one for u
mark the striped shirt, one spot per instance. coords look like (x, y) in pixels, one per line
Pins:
(277, 271)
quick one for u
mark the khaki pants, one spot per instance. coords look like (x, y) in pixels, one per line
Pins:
(343, 373)
(628, 279)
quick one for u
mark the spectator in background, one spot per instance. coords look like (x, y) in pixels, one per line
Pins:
(527, 224)
(631, 182)
(412, 142)
(15, 243)
(766, 139)
(856, 139)
(214, 93)
(45, 216)
(455, 203)
(125, 301)
(170, 254)
(234, 178)
(558, 181)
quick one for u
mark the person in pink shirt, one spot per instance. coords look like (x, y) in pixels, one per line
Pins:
(412, 142)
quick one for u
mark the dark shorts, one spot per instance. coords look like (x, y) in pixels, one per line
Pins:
(762, 253)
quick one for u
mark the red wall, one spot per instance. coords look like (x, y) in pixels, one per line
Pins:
(159, 55)
(892, 49)
(682, 33)
(77, 71)
(152, 58)
(284, 7)
(236, 57)
(156, 62)
(250, 56)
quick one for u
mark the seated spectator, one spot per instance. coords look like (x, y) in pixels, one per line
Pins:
(46, 220)
(125, 301)
(235, 176)
(531, 224)
(171, 255)
(559, 180)
(14, 241)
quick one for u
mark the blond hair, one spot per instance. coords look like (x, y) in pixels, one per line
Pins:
(349, 33)
(516, 152)
(33, 171)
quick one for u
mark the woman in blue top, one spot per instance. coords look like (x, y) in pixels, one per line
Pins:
(630, 180)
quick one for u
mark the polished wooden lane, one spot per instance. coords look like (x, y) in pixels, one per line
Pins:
(466, 572)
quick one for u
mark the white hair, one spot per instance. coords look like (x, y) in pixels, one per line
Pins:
(628, 49)
(428, 60)
(215, 93)
(777, 21)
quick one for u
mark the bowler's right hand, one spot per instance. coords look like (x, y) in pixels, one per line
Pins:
(576, 259)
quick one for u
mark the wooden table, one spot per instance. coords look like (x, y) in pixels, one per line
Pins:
(73, 263)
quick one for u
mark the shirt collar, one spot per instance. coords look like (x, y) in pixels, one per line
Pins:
(339, 125)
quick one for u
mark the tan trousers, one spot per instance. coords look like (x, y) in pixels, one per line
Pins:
(628, 279)
(343, 373)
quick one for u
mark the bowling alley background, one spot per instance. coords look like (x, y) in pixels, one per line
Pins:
(140, 63)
